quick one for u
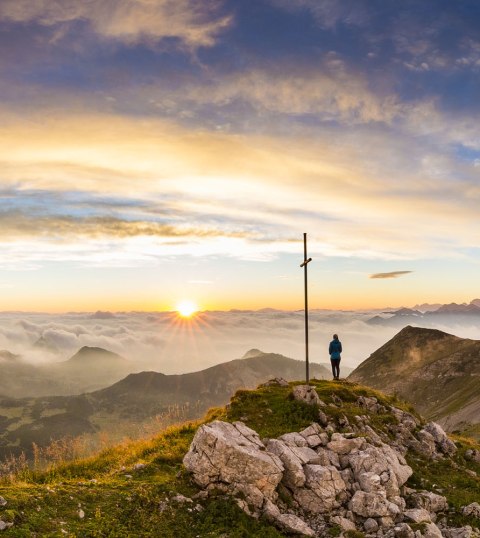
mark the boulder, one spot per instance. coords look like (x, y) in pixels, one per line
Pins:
(341, 445)
(307, 394)
(370, 404)
(385, 462)
(370, 525)
(293, 439)
(322, 490)
(275, 382)
(431, 531)
(289, 523)
(460, 532)
(293, 475)
(314, 435)
(417, 515)
(230, 455)
(402, 530)
(441, 439)
(472, 455)
(472, 509)
(344, 523)
(432, 502)
(372, 505)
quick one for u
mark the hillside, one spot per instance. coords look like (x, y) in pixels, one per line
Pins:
(136, 401)
(142, 489)
(438, 372)
(91, 368)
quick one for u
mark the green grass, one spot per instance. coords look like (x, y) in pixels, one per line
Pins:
(119, 501)
(449, 477)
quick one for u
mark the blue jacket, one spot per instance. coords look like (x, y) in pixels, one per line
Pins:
(335, 349)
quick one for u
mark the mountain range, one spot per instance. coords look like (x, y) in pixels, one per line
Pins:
(136, 399)
(431, 315)
(437, 372)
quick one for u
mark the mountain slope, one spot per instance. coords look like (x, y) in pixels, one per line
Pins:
(438, 372)
(125, 407)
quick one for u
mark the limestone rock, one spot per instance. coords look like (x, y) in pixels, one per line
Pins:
(418, 515)
(307, 394)
(441, 439)
(341, 445)
(229, 454)
(314, 435)
(472, 509)
(293, 439)
(472, 455)
(370, 525)
(432, 502)
(287, 522)
(385, 462)
(275, 382)
(293, 475)
(370, 404)
(322, 488)
(372, 505)
(461, 532)
(402, 530)
(431, 531)
(344, 523)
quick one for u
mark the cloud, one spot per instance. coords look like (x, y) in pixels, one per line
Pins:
(332, 92)
(14, 225)
(328, 13)
(391, 274)
(131, 21)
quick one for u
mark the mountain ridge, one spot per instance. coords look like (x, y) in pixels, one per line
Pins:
(436, 371)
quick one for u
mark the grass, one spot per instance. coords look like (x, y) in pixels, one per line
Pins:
(120, 498)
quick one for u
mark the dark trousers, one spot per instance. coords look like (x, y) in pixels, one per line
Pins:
(335, 368)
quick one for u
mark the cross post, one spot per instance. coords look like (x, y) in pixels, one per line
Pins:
(306, 261)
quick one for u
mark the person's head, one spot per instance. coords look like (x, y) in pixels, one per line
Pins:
(335, 336)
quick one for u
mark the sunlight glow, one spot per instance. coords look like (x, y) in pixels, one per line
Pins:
(186, 308)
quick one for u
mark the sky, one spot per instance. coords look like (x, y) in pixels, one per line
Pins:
(153, 151)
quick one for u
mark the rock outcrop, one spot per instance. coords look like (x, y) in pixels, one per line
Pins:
(308, 481)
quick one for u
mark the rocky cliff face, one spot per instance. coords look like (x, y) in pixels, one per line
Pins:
(339, 475)
(437, 372)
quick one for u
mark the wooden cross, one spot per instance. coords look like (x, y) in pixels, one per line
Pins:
(306, 261)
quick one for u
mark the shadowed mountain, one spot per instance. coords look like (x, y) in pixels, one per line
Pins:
(91, 368)
(438, 372)
(212, 386)
(137, 399)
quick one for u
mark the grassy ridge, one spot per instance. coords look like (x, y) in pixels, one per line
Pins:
(127, 491)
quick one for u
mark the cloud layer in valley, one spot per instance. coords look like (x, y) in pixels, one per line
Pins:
(163, 342)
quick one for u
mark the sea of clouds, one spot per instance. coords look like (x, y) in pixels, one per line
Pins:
(163, 342)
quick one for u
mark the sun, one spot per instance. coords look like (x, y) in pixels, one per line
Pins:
(186, 308)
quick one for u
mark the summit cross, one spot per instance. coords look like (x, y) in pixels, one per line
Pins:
(306, 261)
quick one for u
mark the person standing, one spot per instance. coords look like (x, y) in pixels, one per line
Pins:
(335, 349)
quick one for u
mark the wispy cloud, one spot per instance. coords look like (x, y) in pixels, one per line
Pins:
(391, 274)
(132, 21)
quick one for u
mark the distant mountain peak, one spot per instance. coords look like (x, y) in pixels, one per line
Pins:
(88, 353)
(8, 356)
(100, 314)
(253, 353)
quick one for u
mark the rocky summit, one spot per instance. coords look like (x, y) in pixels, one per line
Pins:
(339, 476)
(330, 459)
